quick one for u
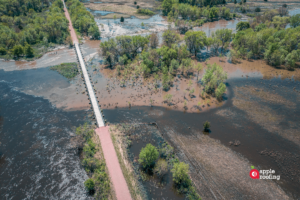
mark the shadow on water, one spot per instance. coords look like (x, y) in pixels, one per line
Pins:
(36, 158)
(253, 137)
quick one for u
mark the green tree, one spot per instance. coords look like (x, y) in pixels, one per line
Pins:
(170, 37)
(166, 6)
(198, 68)
(214, 75)
(242, 26)
(90, 185)
(235, 1)
(195, 41)
(220, 90)
(180, 173)
(295, 20)
(2, 51)
(225, 36)
(122, 19)
(148, 156)
(18, 50)
(154, 41)
(94, 32)
(28, 50)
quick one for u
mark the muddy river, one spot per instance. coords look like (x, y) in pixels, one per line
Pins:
(39, 110)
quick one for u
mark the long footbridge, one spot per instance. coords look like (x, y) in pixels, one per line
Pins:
(116, 176)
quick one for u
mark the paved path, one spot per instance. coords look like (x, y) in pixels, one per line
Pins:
(111, 159)
(112, 163)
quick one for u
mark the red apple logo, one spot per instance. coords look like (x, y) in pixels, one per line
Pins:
(254, 174)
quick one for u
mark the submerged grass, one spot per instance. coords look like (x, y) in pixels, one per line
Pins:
(127, 170)
(68, 70)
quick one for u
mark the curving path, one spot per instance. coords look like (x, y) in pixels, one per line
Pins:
(111, 159)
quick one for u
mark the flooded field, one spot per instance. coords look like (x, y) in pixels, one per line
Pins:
(39, 108)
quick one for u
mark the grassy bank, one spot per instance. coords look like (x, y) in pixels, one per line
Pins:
(88, 144)
(68, 70)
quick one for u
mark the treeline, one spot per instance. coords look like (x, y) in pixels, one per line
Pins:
(83, 21)
(29, 22)
(270, 41)
(189, 10)
(168, 60)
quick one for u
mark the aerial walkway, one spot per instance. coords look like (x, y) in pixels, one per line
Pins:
(117, 178)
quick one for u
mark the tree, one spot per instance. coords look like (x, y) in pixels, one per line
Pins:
(167, 6)
(170, 37)
(28, 50)
(154, 41)
(180, 173)
(135, 3)
(94, 32)
(2, 51)
(214, 75)
(220, 90)
(291, 59)
(295, 20)
(90, 185)
(148, 156)
(208, 42)
(225, 36)
(215, 43)
(122, 19)
(198, 68)
(257, 9)
(195, 41)
(69, 41)
(167, 54)
(161, 168)
(235, 1)
(265, 0)
(17, 50)
(242, 26)
(206, 126)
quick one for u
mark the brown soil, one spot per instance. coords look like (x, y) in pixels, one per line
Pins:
(220, 173)
(141, 92)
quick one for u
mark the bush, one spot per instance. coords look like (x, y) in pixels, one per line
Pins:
(206, 126)
(28, 50)
(135, 3)
(166, 151)
(2, 51)
(148, 156)
(137, 7)
(145, 11)
(161, 167)
(257, 9)
(90, 164)
(68, 70)
(122, 19)
(284, 5)
(220, 90)
(180, 174)
(90, 185)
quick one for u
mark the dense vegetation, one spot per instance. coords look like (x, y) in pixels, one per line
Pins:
(27, 23)
(266, 37)
(83, 21)
(68, 70)
(138, 55)
(161, 160)
(145, 11)
(195, 10)
(98, 184)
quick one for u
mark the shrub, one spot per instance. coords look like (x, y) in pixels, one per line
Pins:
(257, 9)
(2, 51)
(284, 5)
(220, 90)
(122, 19)
(135, 3)
(166, 151)
(90, 164)
(180, 174)
(148, 156)
(161, 167)
(138, 7)
(206, 126)
(90, 185)
(145, 11)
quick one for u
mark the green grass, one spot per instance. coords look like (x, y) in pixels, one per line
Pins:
(68, 70)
